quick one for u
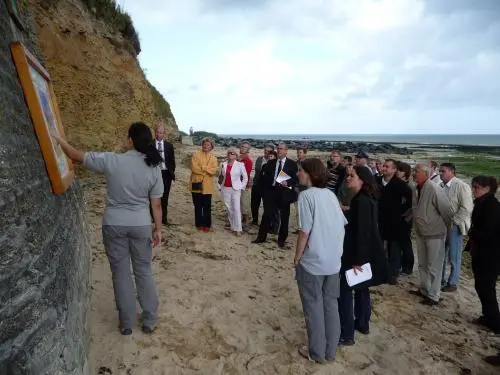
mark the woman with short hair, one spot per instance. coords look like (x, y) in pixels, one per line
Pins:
(133, 179)
(318, 260)
(233, 179)
(484, 247)
(203, 168)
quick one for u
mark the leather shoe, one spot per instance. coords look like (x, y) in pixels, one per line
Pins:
(258, 240)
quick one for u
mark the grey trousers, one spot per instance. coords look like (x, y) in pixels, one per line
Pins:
(319, 296)
(122, 245)
(430, 252)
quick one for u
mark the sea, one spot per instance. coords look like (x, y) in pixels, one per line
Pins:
(416, 139)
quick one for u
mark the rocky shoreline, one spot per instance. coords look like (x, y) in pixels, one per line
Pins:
(316, 145)
(352, 147)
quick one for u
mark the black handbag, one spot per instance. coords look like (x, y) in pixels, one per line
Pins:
(196, 187)
(220, 179)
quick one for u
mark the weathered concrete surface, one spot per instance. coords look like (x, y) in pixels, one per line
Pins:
(44, 248)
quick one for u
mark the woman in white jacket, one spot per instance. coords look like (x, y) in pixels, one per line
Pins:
(232, 179)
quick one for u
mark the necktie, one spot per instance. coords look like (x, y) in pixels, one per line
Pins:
(280, 166)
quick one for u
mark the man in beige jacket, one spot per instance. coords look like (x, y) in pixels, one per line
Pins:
(460, 196)
(432, 215)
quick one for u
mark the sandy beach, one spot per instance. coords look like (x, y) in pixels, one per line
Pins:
(231, 307)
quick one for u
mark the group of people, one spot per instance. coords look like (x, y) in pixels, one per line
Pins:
(357, 211)
(350, 214)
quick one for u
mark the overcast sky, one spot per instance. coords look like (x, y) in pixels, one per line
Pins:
(324, 66)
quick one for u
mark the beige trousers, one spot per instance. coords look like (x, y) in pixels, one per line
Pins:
(245, 202)
(430, 253)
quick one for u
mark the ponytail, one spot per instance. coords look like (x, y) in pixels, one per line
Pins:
(143, 142)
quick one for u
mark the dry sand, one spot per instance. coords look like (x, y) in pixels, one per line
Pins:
(231, 307)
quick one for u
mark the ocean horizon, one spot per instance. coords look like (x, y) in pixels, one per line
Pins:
(418, 139)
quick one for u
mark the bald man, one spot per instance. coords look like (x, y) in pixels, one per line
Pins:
(166, 150)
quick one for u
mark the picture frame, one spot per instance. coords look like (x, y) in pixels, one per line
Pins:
(42, 105)
(13, 8)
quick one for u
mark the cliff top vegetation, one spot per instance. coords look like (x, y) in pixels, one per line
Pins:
(113, 15)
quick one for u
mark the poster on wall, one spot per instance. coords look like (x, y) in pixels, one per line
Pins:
(41, 101)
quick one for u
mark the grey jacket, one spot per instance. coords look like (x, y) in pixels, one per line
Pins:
(432, 212)
(258, 167)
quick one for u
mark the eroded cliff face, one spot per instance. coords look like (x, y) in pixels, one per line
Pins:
(100, 87)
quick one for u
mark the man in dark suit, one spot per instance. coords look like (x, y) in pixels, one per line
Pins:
(278, 196)
(166, 150)
(394, 203)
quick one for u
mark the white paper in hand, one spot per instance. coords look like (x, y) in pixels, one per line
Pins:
(282, 176)
(353, 279)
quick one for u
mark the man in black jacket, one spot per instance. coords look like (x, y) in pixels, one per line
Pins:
(395, 200)
(278, 196)
(166, 150)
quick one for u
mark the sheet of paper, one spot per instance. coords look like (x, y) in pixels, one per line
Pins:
(353, 279)
(282, 176)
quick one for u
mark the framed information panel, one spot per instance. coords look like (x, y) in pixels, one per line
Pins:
(41, 101)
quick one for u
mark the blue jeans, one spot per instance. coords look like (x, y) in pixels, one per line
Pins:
(453, 255)
(357, 318)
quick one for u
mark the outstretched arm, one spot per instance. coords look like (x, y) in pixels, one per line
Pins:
(74, 154)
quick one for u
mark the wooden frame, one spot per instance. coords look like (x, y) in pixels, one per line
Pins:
(41, 101)
(13, 9)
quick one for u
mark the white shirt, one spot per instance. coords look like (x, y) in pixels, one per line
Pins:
(161, 148)
(277, 167)
(447, 186)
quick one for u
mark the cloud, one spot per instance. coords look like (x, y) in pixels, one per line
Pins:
(277, 62)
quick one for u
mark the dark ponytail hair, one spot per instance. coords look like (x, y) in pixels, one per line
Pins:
(142, 139)
(369, 182)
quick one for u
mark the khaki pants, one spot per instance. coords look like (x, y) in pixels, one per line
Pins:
(430, 251)
(245, 202)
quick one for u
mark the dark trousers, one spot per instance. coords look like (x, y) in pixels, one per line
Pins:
(202, 210)
(256, 198)
(167, 183)
(394, 253)
(485, 279)
(357, 318)
(408, 259)
(274, 202)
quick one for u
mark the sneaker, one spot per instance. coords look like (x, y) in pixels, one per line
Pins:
(148, 330)
(126, 331)
(449, 288)
(346, 342)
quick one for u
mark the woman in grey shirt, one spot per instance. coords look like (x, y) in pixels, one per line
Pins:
(133, 180)
(318, 261)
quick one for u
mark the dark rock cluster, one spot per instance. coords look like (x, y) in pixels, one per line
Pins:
(316, 145)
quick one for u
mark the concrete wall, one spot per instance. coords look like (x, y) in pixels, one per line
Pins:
(44, 247)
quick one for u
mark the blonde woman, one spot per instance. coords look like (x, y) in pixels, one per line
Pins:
(203, 168)
(232, 180)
